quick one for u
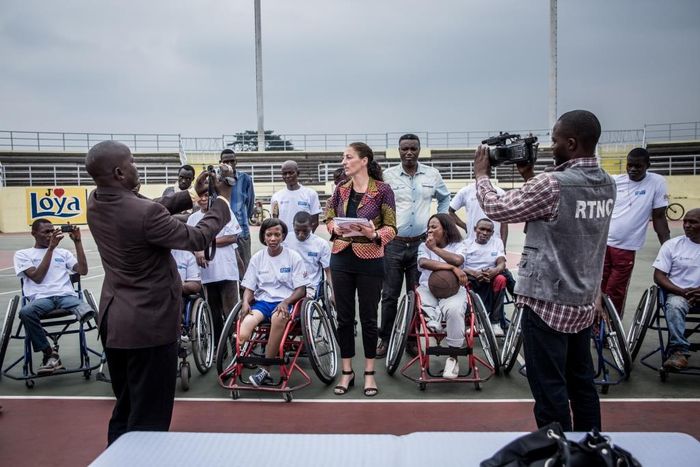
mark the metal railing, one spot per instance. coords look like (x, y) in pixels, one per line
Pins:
(75, 174)
(172, 142)
(81, 142)
(684, 131)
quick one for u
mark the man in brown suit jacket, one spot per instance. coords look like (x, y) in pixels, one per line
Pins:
(140, 305)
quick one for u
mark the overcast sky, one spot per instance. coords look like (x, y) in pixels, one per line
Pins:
(342, 66)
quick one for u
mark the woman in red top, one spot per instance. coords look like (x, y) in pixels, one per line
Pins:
(357, 259)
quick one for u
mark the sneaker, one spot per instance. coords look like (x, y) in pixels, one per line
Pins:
(677, 361)
(497, 330)
(50, 365)
(382, 348)
(260, 377)
(451, 370)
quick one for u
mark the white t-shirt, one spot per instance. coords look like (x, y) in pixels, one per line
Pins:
(426, 253)
(680, 259)
(315, 252)
(274, 278)
(466, 198)
(291, 202)
(478, 256)
(186, 265)
(56, 283)
(633, 205)
(224, 266)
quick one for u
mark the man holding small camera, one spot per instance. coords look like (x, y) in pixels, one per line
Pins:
(140, 304)
(45, 270)
(568, 211)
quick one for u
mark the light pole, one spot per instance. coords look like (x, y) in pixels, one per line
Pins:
(552, 62)
(259, 77)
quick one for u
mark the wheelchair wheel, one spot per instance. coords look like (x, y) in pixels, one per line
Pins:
(331, 311)
(185, 374)
(615, 337)
(202, 336)
(7, 328)
(320, 341)
(642, 319)
(513, 341)
(226, 350)
(487, 337)
(400, 331)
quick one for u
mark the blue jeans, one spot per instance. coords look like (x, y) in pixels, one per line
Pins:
(32, 312)
(560, 374)
(675, 309)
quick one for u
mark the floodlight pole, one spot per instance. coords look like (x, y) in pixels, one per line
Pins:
(552, 62)
(259, 77)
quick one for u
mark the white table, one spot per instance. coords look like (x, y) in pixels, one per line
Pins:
(445, 449)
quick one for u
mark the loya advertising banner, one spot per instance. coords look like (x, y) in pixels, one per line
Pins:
(57, 204)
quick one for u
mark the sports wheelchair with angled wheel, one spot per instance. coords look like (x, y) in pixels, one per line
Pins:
(612, 360)
(196, 338)
(650, 314)
(308, 332)
(411, 322)
(56, 324)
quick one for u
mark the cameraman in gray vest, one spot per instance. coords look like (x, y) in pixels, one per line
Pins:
(567, 210)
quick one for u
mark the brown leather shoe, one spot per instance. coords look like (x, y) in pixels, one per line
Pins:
(382, 347)
(677, 361)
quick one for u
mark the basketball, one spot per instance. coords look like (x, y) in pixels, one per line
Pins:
(443, 284)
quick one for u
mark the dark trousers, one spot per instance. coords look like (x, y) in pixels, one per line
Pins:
(244, 251)
(399, 262)
(222, 296)
(560, 374)
(143, 381)
(492, 294)
(368, 289)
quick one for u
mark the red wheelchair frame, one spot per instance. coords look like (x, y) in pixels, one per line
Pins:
(478, 326)
(308, 329)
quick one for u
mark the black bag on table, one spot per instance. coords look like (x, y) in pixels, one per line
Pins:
(548, 447)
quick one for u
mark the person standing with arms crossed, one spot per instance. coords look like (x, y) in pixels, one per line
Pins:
(357, 261)
(568, 212)
(141, 301)
(415, 185)
(640, 195)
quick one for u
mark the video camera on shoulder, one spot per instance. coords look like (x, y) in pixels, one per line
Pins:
(512, 149)
(215, 172)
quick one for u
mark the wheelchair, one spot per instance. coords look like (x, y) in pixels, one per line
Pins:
(612, 361)
(308, 332)
(56, 324)
(196, 339)
(650, 314)
(411, 322)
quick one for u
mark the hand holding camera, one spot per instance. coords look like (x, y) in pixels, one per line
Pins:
(222, 179)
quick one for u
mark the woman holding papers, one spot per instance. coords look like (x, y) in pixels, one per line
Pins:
(361, 218)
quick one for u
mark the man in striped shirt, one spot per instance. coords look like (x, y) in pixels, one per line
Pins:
(567, 210)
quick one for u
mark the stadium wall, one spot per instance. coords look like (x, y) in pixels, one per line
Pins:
(16, 202)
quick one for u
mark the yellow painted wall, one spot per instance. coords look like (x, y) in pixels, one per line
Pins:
(684, 189)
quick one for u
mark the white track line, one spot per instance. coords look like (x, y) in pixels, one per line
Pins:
(357, 401)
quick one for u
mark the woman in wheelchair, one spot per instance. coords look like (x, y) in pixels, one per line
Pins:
(442, 250)
(275, 280)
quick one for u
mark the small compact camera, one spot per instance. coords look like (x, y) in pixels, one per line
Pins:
(512, 149)
(67, 228)
(216, 172)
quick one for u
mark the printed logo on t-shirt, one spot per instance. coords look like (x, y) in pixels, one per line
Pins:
(59, 260)
(640, 192)
(494, 253)
(303, 204)
(286, 269)
(313, 254)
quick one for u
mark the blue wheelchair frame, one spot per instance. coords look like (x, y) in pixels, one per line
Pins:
(654, 322)
(62, 319)
(188, 339)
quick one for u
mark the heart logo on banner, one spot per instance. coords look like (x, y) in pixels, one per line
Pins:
(59, 192)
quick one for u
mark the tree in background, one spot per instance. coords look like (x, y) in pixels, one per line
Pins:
(248, 141)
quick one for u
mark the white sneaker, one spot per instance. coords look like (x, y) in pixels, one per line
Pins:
(497, 330)
(451, 370)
